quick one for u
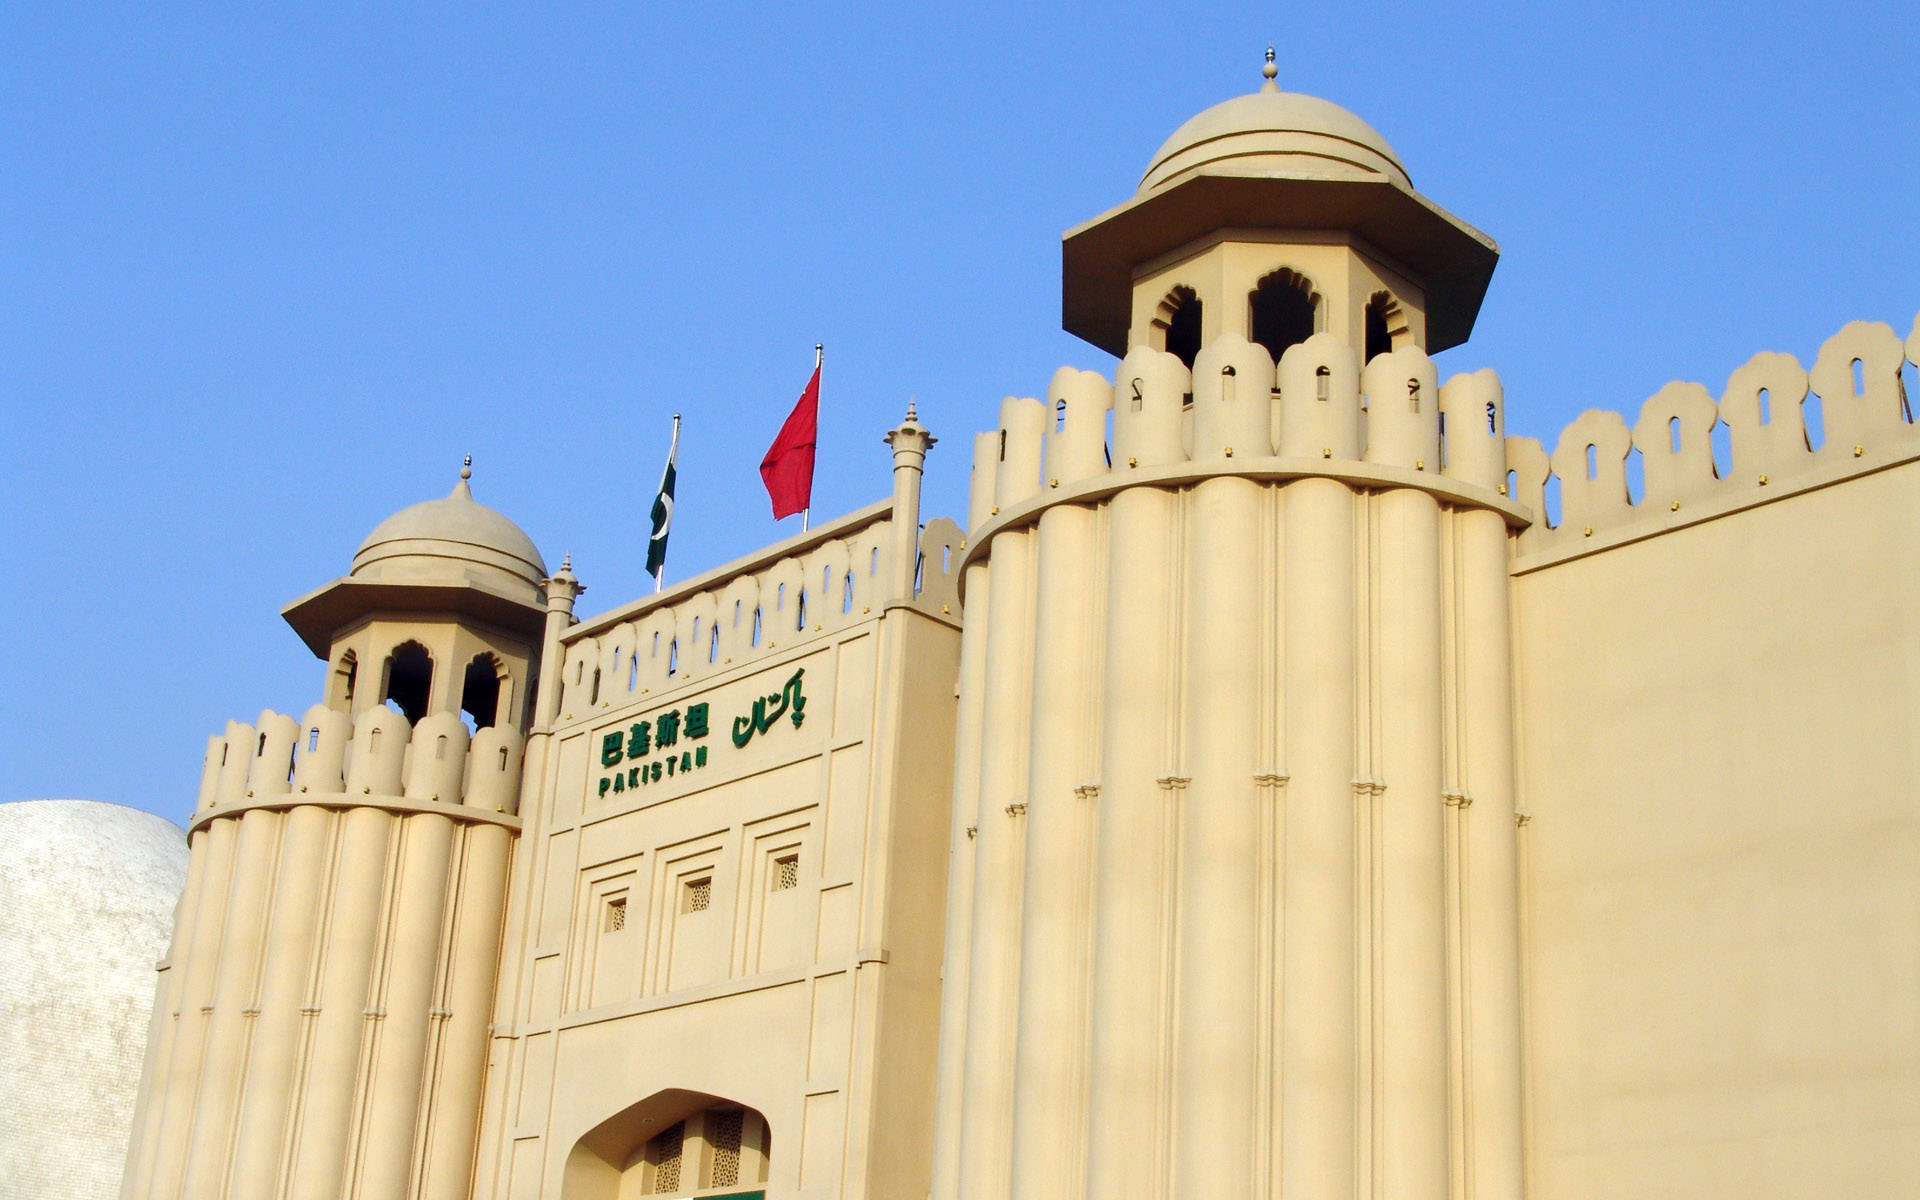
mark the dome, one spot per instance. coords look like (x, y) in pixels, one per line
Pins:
(1277, 135)
(87, 892)
(446, 539)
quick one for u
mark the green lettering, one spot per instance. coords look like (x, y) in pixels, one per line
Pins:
(610, 749)
(696, 721)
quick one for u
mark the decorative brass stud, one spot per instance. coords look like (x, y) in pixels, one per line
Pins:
(1052, 483)
(1132, 461)
(945, 609)
(995, 512)
(1419, 464)
(1229, 451)
(1675, 506)
(1763, 481)
(1859, 450)
(1326, 452)
(1503, 489)
(1589, 532)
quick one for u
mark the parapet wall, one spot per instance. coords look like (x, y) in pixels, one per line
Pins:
(1865, 425)
(1317, 412)
(750, 610)
(328, 755)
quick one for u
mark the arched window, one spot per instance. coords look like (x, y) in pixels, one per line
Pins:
(409, 682)
(675, 1143)
(1282, 310)
(1176, 325)
(340, 683)
(480, 691)
(1385, 323)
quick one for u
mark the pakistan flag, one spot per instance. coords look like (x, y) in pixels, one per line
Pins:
(663, 511)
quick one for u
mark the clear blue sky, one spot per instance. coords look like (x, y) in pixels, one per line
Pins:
(268, 272)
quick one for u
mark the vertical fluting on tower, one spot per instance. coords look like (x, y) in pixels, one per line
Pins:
(359, 869)
(1488, 964)
(993, 984)
(1049, 1139)
(1127, 1072)
(956, 972)
(455, 1088)
(401, 1002)
(1268, 946)
(177, 1088)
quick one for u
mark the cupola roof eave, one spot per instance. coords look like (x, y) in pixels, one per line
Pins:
(1453, 260)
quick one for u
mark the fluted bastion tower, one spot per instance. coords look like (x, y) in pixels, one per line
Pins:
(1232, 904)
(321, 1026)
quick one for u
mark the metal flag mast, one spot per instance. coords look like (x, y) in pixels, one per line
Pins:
(819, 359)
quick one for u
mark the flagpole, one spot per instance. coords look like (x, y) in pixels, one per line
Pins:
(819, 358)
(673, 449)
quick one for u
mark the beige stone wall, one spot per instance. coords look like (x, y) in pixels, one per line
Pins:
(759, 925)
(1720, 730)
(320, 1030)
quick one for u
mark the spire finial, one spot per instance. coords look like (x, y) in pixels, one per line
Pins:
(466, 468)
(912, 416)
(566, 561)
(1270, 70)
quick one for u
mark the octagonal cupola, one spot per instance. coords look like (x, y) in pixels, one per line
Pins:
(1274, 216)
(441, 611)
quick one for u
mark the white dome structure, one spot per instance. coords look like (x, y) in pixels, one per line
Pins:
(87, 893)
(452, 537)
(1275, 135)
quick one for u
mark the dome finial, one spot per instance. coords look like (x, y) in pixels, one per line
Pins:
(1269, 71)
(466, 468)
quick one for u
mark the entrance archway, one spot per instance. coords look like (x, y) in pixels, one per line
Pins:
(675, 1143)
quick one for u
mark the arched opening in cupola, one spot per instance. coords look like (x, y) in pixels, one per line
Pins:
(340, 682)
(1176, 325)
(409, 680)
(480, 691)
(1282, 310)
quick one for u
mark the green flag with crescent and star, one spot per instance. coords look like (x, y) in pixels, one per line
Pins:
(663, 511)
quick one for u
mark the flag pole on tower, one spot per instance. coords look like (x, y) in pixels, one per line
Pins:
(663, 511)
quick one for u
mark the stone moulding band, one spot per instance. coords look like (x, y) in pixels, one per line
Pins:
(1372, 476)
(394, 804)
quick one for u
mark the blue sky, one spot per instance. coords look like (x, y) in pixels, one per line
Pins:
(267, 273)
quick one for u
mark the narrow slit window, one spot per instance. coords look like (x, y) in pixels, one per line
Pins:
(616, 915)
(786, 872)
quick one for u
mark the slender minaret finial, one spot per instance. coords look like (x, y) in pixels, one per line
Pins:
(566, 561)
(1269, 70)
(912, 416)
(466, 468)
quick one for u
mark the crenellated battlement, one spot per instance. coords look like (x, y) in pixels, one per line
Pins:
(837, 574)
(328, 756)
(1318, 412)
(1865, 424)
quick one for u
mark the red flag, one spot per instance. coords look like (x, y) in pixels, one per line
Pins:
(788, 466)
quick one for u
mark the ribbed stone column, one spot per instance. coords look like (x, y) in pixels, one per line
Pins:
(261, 1139)
(405, 1006)
(986, 1127)
(1318, 1051)
(359, 886)
(455, 1117)
(229, 1031)
(956, 968)
(1216, 1035)
(171, 1019)
(1490, 949)
(180, 1088)
(1050, 1071)
(1410, 926)
(1126, 1151)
